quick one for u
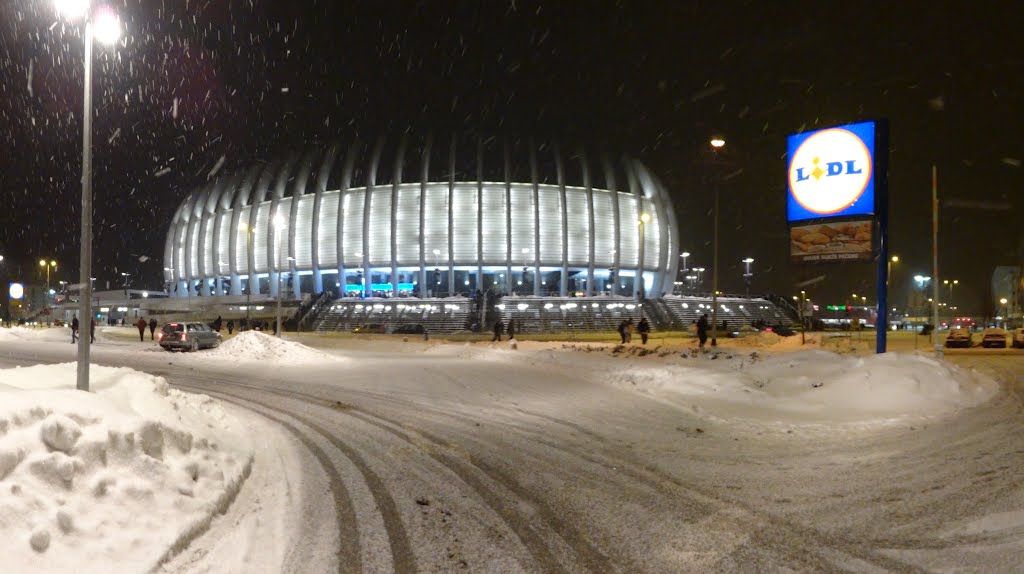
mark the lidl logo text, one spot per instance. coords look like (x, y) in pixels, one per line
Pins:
(832, 169)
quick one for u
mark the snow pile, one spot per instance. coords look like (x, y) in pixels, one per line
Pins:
(62, 334)
(811, 386)
(257, 346)
(112, 481)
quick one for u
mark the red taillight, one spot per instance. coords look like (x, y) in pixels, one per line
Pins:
(184, 336)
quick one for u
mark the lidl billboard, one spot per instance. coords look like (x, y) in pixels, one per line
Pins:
(832, 172)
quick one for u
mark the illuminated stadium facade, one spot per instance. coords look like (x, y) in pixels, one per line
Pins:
(415, 221)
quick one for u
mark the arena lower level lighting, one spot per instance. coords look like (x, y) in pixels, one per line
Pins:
(432, 225)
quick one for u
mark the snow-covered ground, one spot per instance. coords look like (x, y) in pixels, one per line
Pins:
(559, 456)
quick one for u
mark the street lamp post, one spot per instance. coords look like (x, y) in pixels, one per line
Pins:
(107, 29)
(716, 144)
(685, 255)
(1003, 302)
(644, 218)
(47, 265)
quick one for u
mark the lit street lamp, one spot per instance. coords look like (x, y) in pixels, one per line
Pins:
(105, 26)
(644, 219)
(716, 144)
(47, 265)
(684, 255)
(1006, 310)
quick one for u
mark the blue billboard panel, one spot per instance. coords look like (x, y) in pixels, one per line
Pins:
(831, 173)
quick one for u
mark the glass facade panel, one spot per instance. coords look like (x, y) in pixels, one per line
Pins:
(407, 221)
(550, 225)
(241, 239)
(304, 233)
(435, 224)
(259, 239)
(604, 229)
(464, 223)
(524, 224)
(207, 248)
(380, 226)
(352, 234)
(579, 226)
(193, 262)
(224, 244)
(629, 231)
(495, 224)
(327, 231)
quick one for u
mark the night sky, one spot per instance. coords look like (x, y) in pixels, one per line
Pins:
(193, 82)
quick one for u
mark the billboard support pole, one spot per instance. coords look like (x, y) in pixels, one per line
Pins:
(935, 263)
(882, 213)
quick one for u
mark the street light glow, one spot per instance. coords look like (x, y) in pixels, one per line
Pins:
(717, 143)
(645, 217)
(42, 263)
(1003, 301)
(748, 260)
(107, 28)
(895, 258)
(684, 254)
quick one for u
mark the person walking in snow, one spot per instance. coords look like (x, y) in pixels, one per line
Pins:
(622, 331)
(499, 327)
(92, 331)
(630, 327)
(702, 329)
(644, 328)
(74, 330)
(152, 328)
(231, 326)
(511, 329)
(141, 325)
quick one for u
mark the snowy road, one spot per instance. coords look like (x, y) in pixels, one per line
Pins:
(458, 458)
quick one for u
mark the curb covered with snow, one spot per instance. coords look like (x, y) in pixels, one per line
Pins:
(117, 480)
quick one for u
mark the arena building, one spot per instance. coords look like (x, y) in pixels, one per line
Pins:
(409, 220)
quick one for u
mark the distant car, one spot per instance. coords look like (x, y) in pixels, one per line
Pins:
(370, 328)
(416, 329)
(994, 337)
(1018, 338)
(959, 338)
(188, 337)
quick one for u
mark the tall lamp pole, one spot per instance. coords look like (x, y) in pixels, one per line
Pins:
(716, 144)
(685, 255)
(104, 26)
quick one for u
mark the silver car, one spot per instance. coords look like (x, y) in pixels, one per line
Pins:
(188, 337)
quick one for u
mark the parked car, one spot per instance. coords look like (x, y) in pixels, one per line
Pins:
(188, 337)
(370, 328)
(959, 338)
(1018, 338)
(416, 329)
(994, 337)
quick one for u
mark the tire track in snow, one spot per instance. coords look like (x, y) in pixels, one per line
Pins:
(402, 557)
(475, 474)
(349, 558)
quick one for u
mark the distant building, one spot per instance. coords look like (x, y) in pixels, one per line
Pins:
(404, 219)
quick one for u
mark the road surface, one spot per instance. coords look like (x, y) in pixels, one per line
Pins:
(448, 461)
